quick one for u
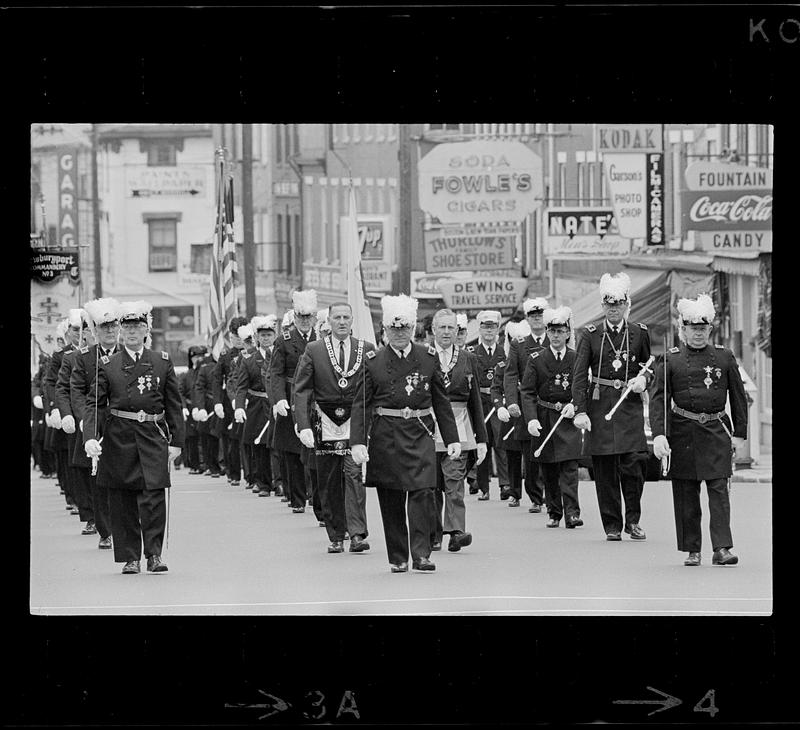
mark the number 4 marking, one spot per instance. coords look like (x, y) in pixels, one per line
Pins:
(711, 709)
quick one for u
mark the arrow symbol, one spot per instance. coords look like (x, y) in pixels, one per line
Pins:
(278, 706)
(668, 702)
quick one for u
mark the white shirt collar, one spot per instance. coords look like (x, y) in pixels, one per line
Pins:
(132, 353)
(539, 337)
(404, 352)
(618, 326)
(335, 344)
(555, 352)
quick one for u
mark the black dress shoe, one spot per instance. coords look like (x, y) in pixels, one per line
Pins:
(321, 523)
(90, 529)
(573, 521)
(693, 560)
(235, 482)
(358, 544)
(514, 502)
(436, 546)
(154, 564)
(423, 564)
(473, 490)
(336, 547)
(613, 535)
(263, 492)
(105, 543)
(249, 485)
(298, 510)
(74, 511)
(504, 494)
(723, 556)
(636, 532)
(132, 566)
(535, 508)
(399, 567)
(484, 497)
(459, 540)
(279, 491)
(215, 474)
(553, 522)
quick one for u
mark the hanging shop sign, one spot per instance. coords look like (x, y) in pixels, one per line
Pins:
(476, 248)
(68, 198)
(636, 186)
(483, 293)
(714, 176)
(48, 264)
(584, 230)
(377, 276)
(480, 182)
(158, 182)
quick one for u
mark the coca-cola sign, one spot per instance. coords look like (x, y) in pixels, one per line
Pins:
(727, 209)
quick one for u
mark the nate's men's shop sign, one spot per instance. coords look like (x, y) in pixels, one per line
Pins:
(730, 206)
(480, 182)
(48, 264)
(470, 248)
(584, 230)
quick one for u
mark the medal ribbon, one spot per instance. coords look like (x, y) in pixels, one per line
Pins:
(332, 357)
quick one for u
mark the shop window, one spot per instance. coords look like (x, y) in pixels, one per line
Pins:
(161, 154)
(163, 244)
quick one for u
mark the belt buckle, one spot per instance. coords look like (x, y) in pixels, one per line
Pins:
(559, 406)
(140, 416)
(617, 384)
(406, 413)
(703, 418)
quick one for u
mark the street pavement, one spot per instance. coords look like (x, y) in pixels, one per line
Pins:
(232, 553)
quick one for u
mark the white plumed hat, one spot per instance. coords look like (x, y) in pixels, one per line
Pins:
(531, 305)
(399, 311)
(697, 311)
(139, 311)
(615, 288)
(75, 317)
(62, 327)
(461, 321)
(514, 330)
(288, 318)
(305, 302)
(558, 316)
(99, 311)
(268, 322)
(489, 315)
(245, 332)
(322, 315)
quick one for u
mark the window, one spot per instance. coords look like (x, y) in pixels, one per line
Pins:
(444, 127)
(742, 147)
(711, 148)
(295, 139)
(161, 154)
(356, 133)
(279, 143)
(393, 129)
(369, 132)
(592, 175)
(201, 253)
(163, 237)
(279, 228)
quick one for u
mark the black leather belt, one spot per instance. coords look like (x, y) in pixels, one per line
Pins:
(486, 391)
(699, 417)
(551, 406)
(616, 384)
(402, 412)
(140, 416)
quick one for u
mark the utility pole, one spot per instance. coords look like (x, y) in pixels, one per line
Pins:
(98, 268)
(247, 221)
(405, 207)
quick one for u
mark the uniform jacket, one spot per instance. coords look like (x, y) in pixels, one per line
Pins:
(551, 380)
(135, 455)
(519, 352)
(624, 433)
(186, 389)
(288, 348)
(203, 395)
(461, 384)
(485, 366)
(55, 438)
(316, 382)
(699, 450)
(253, 374)
(223, 386)
(401, 451)
(512, 443)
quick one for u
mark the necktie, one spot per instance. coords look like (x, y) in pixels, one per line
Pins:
(491, 351)
(614, 330)
(341, 355)
(558, 357)
(402, 355)
(136, 357)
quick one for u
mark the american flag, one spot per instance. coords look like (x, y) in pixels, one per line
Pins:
(222, 301)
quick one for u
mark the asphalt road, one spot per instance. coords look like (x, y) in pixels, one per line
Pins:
(231, 553)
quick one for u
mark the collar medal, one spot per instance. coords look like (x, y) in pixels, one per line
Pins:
(337, 368)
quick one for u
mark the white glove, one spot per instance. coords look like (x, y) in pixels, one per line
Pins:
(514, 410)
(37, 402)
(68, 424)
(239, 415)
(202, 415)
(174, 453)
(454, 450)
(661, 447)
(638, 384)
(92, 448)
(307, 438)
(281, 408)
(47, 419)
(481, 453)
(534, 427)
(583, 422)
(219, 410)
(568, 411)
(503, 414)
(359, 453)
(185, 413)
(80, 425)
(738, 443)
(195, 414)
(55, 418)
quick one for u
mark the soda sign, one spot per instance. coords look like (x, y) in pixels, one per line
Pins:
(727, 209)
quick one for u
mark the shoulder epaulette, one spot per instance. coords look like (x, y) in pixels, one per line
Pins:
(534, 355)
(643, 326)
(104, 359)
(673, 350)
(719, 347)
(287, 335)
(500, 364)
(246, 355)
(84, 350)
(521, 339)
(591, 327)
(470, 348)
(370, 354)
(164, 355)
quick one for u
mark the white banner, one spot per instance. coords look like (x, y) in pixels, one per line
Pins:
(626, 175)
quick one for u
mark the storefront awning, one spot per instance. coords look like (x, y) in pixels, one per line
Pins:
(649, 294)
(743, 264)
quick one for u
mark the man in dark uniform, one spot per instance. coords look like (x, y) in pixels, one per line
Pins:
(194, 456)
(142, 435)
(42, 458)
(203, 414)
(399, 389)
(324, 387)
(488, 353)
(286, 354)
(615, 351)
(102, 317)
(460, 376)
(699, 379)
(253, 404)
(224, 392)
(546, 395)
(519, 354)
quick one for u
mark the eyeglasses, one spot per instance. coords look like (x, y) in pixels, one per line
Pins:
(133, 325)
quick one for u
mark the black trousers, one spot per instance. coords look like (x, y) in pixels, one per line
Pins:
(331, 494)
(233, 460)
(686, 501)
(295, 479)
(246, 453)
(210, 446)
(484, 469)
(137, 517)
(534, 484)
(192, 452)
(65, 476)
(82, 493)
(561, 489)
(615, 473)
(514, 461)
(315, 491)
(278, 469)
(260, 468)
(404, 515)
(102, 513)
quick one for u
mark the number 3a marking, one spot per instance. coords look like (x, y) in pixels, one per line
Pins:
(711, 708)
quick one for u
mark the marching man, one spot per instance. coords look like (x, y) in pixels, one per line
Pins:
(697, 378)
(546, 402)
